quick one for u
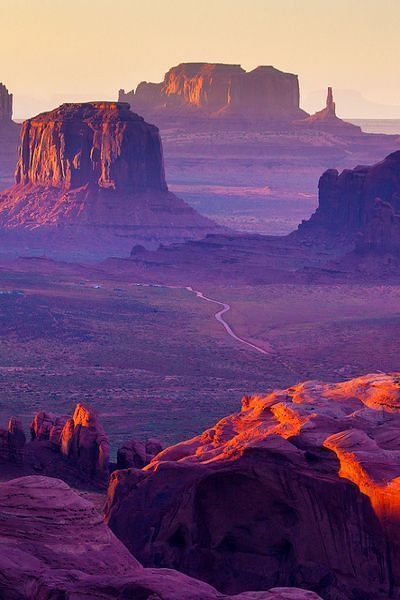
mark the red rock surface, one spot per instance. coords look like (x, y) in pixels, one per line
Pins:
(102, 144)
(96, 166)
(301, 486)
(54, 544)
(208, 89)
(84, 443)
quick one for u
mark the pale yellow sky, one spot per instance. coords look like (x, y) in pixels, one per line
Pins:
(61, 50)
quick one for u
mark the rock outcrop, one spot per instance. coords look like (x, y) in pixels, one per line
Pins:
(6, 104)
(75, 449)
(327, 120)
(137, 454)
(9, 132)
(84, 443)
(301, 487)
(54, 544)
(97, 166)
(219, 90)
(12, 442)
(347, 201)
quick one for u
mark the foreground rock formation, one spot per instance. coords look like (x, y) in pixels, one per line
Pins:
(54, 544)
(300, 487)
(96, 166)
(219, 90)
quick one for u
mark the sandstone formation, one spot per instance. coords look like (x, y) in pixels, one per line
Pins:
(327, 120)
(74, 449)
(97, 144)
(219, 90)
(6, 104)
(347, 201)
(84, 443)
(12, 442)
(98, 167)
(54, 544)
(137, 454)
(9, 132)
(301, 487)
(47, 426)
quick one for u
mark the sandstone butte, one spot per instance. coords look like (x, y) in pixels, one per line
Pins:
(54, 545)
(299, 488)
(99, 166)
(361, 205)
(219, 90)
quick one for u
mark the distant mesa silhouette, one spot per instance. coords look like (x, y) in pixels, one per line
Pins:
(219, 90)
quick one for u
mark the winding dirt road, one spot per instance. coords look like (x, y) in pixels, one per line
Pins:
(219, 315)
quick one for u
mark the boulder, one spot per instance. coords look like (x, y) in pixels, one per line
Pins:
(299, 488)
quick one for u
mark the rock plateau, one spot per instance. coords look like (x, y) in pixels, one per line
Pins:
(94, 173)
(219, 90)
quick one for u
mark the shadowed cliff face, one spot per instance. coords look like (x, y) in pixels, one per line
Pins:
(206, 89)
(348, 203)
(99, 143)
(301, 486)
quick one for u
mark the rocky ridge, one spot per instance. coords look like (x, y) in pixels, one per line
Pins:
(299, 488)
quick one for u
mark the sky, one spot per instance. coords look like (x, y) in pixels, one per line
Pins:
(74, 50)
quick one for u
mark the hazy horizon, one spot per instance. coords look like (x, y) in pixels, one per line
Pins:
(85, 50)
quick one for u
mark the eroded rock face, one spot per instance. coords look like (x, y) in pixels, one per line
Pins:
(138, 454)
(347, 200)
(299, 488)
(54, 544)
(47, 426)
(206, 89)
(12, 442)
(90, 181)
(84, 443)
(102, 144)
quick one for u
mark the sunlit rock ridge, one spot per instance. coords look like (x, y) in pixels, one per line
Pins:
(301, 486)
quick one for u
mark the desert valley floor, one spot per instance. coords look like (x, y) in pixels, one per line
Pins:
(155, 361)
